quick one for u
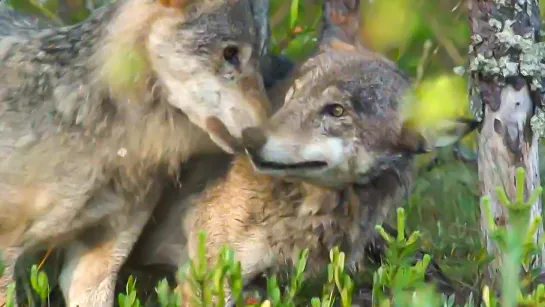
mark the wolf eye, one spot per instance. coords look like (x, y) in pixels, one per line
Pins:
(230, 54)
(335, 110)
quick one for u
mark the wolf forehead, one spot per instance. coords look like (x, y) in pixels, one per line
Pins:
(224, 21)
(369, 85)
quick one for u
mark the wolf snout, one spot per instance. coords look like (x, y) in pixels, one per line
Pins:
(253, 139)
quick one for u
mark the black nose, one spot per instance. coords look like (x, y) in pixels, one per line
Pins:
(253, 139)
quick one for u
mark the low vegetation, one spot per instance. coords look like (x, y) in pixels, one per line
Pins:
(398, 281)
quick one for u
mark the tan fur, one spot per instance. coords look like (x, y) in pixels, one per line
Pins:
(268, 221)
(261, 215)
(85, 156)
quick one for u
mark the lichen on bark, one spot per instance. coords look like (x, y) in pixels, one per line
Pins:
(506, 43)
(538, 122)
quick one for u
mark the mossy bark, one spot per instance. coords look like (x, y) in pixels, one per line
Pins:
(506, 92)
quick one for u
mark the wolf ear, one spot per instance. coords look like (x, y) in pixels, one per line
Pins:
(443, 133)
(340, 24)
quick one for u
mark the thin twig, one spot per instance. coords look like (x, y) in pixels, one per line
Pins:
(422, 63)
(47, 254)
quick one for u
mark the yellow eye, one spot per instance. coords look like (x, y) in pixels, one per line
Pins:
(335, 110)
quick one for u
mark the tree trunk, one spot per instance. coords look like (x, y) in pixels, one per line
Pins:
(506, 92)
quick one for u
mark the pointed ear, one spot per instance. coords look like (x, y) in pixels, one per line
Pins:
(340, 24)
(443, 133)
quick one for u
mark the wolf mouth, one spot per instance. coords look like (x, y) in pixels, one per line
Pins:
(301, 165)
(287, 166)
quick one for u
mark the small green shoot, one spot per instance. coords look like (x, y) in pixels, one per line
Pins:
(39, 283)
(166, 297)
(129, 298)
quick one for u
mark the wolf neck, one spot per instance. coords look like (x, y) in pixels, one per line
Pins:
(121, 61)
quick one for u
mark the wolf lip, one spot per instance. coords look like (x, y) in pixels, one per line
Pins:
(301, 165)
(262, 164)
(285, 166)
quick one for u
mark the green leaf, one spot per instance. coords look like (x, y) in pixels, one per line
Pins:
(294, 13)
(315, 302)
(2, 265)
(121, 300)
(10, 295)
(163, 293)
(400, 225)
(520, 185)
(301, 46)
(302, 263)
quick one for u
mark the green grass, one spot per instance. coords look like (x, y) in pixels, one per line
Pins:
(444, 207)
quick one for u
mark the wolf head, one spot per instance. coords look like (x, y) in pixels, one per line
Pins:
(342, 121)
(204, 54)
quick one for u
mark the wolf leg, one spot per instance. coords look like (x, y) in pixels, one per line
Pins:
(92, 262)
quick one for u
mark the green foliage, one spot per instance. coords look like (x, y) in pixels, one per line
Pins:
(295, 27)
(396, 282)
(10, 295)
(517, 245)
(129, 298)
(41, 8)
(339, 285)
(39, 283)
(210, 283)
(396, 274)
(296, 281)
(165, 295)
(2, 266)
